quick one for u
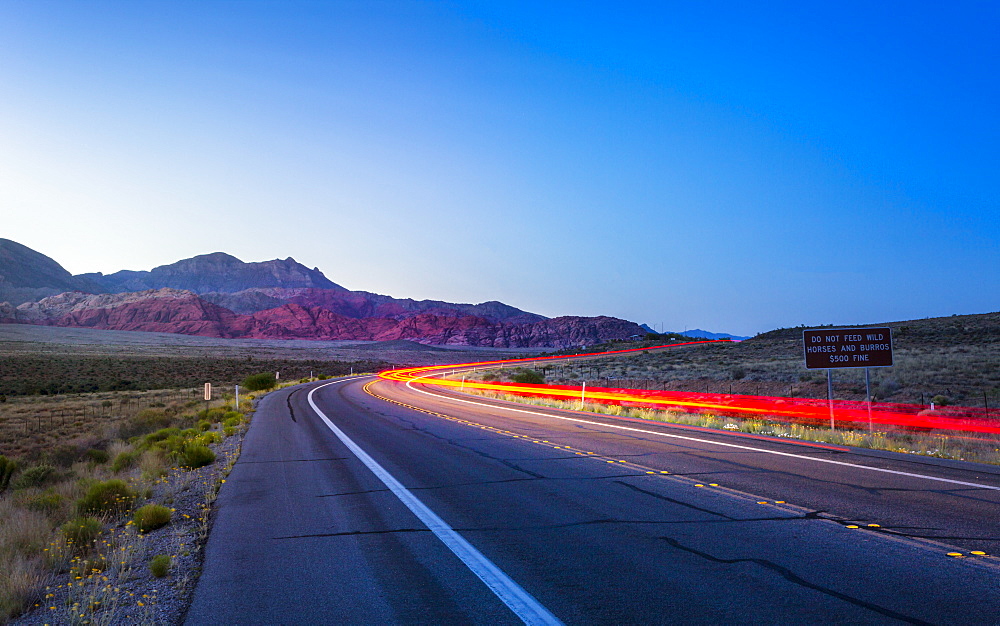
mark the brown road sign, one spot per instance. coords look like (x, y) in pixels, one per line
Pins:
(847, 347)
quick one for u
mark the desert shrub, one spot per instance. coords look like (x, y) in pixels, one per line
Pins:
(36, 476)
(62, 455)
(153, 464)
(527, 377)
(229, 431)
(88, 566)
(47, 501)
(159, 565)
(8, 467)
(260, 382)
(151, 517)
(22, 531)
(124, 460)
(490, 377)
(208, 438)
(22, 580)
(195, 455)
(940, 400)
(97, 456)
(147, 420)
(212, 415)
(232, 415)
(164, 434)
(107, 497)
(204, 425)
(323, 377)
(82, 531)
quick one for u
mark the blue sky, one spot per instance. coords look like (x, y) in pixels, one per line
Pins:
(691, 164)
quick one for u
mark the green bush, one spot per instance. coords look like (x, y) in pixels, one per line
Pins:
(208, 438)
(145, 421)
(528, 377)
(159, 565)
(195, 455)
(47, 501)
(97, 456)
(124, 460)
(204, 425)
(36, 476)
(8, 467)
(108, 497)
(163, 434)
(260, 382)
(212, 415)
(151, 517)
(940, 400)
(82, 531)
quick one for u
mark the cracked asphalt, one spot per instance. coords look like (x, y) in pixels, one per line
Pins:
(600, 525)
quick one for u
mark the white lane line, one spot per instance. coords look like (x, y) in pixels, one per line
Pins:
(714, 443)
(510, 593)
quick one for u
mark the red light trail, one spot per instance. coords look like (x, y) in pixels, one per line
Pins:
(812, 412)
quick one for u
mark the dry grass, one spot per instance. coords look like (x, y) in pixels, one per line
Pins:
(32, 548)
(912, 443)
(956, 357)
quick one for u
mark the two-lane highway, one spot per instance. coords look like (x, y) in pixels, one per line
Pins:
(581, 519)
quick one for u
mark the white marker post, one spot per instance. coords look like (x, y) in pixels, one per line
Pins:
(237, 407)
(583, 394)
(208, 396)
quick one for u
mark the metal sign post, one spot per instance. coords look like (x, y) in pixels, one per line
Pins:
(829, 395)
(868, 396)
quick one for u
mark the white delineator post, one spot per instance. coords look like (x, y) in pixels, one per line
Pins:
(237, 407)
(583, 395)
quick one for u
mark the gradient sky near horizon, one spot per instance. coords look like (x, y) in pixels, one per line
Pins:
(715, 165)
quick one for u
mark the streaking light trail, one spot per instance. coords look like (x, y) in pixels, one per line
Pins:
(849, 413)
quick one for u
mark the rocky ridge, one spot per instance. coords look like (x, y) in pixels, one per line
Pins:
(180, 311)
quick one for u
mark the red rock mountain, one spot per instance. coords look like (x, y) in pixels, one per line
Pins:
(218, 295)
(177, 311)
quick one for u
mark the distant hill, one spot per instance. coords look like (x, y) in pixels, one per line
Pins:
(698, 334)
(184, 312)
(363, 304)
(216, 272)
(218, 295)
(28, 276)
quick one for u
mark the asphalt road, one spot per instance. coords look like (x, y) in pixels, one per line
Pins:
(579, 518)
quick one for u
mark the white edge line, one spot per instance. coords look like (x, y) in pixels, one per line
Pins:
(523, 604)
(715, 443)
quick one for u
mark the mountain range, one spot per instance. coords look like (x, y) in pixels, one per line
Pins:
(219, 295)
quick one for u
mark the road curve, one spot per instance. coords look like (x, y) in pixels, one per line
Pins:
(594, 522)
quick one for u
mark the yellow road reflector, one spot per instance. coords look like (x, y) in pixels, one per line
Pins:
(978, 553)
(874, 526)
(713, 484)
(954, 554)
(664, 472)
(779, 501)
(650, 472)
(699, 485)
(853, 526)
(762, 502)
